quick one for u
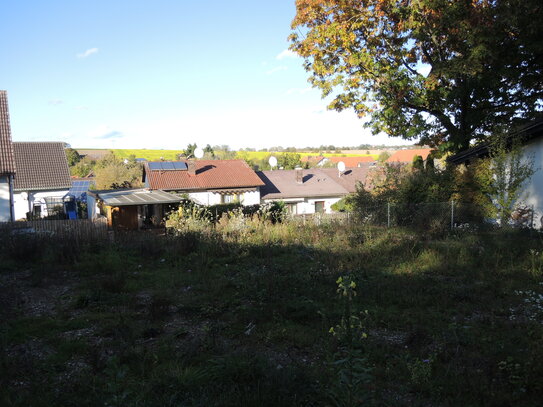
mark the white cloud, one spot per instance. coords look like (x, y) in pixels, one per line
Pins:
(287, 53)
(81, 108)
(56, 102)
(87, 53)
(276, 69)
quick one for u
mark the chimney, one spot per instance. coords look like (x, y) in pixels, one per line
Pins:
(299, 176)
(191, 167)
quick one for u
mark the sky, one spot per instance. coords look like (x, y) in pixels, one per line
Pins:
(163, 74)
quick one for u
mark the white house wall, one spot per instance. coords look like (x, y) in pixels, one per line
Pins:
(214, 198)
(306, 206)
(5, 212)
(23, 202)
(533, 190)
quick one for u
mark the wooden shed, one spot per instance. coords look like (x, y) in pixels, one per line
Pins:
(131, 209)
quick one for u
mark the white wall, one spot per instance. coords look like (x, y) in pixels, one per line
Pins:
(92, 207)
(214, 198)
(306, 206)
(533, 189)
(24, 201)
(5, 201)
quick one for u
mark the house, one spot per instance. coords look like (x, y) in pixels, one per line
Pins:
(131, 209)
(207, 182)
(531, 137)
(350, 162)
(7, 162)
(310, 191)
(407, 156)
(42, 180)
(312, 160)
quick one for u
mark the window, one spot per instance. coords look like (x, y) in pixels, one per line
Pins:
(319, 206)
(229, 198)
(36, 211)
(292, 208)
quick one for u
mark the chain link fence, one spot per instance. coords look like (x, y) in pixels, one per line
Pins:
(440, 215)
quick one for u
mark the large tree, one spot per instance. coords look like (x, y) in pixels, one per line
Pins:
(447, 71)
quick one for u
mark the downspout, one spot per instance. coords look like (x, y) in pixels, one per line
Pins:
(11, 199)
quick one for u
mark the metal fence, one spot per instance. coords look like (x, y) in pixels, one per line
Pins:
(436, 216)
(70, 229)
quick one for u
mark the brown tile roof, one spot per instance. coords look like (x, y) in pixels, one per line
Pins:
(351, 177)
(406, 156)
(7, 161)
(41, 166)
(317, 182)
(210, 174)
(352, 161)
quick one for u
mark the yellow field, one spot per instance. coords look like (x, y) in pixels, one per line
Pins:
(154, 155)
(151, 155)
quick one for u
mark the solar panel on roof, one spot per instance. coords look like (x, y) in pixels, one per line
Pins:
(167, 166)
(79, 188)
(180, 165)
(156, 166)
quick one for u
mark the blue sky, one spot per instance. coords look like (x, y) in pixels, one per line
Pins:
(162, 74)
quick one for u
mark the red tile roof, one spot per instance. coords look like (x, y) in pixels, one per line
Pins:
(41, 166)
(311, 158)
(7, 160)
(406, 156)
(352, 161)
(210, 174)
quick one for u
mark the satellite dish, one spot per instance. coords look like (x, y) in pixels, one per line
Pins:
(272, 161)
(198, 152)
(341, 166)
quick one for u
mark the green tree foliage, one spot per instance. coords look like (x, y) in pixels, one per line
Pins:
(383, 157)
(418, 163)
(446, 71)
(503, 175)
(189, 151)
(112, 173)
(83, 168)
(209, 153)
(72, 156)
(289, 161)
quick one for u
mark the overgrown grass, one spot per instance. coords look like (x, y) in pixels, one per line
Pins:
(240, 314)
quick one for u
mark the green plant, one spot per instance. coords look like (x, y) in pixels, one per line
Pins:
(350, 366)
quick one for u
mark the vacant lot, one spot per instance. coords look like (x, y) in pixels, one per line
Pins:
(241, 316)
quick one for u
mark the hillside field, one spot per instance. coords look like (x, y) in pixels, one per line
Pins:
(155, 155)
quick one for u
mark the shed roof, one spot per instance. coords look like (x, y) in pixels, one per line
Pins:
(323, 182)
(7, 160)
(210, 174)
(131, 197)
(41, 166)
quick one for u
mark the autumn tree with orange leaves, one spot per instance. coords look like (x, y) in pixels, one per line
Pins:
(445, 71)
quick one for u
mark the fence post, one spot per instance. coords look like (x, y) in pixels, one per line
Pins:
(388, 214)
(452, 214)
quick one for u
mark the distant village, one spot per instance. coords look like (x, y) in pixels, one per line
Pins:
(36, 182)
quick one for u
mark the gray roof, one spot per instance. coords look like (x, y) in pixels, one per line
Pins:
(41, 166)
(281, 184)
(128, 197)
(7, 160)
